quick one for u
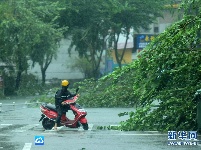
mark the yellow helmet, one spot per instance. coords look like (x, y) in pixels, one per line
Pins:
(64, 83)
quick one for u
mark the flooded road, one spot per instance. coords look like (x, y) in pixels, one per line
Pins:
(19, 126)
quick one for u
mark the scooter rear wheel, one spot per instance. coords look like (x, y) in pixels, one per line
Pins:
(47, 124)
(85, 126)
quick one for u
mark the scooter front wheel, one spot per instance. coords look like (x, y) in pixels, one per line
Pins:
(47, 124)
(85, 126)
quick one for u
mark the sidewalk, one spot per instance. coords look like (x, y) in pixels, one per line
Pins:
(12, 103)
(17, 99)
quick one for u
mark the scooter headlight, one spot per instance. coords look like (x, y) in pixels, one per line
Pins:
(82, 110)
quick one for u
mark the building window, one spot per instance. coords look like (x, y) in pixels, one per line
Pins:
(156, 29)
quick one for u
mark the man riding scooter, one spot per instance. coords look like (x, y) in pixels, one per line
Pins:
(60, 96)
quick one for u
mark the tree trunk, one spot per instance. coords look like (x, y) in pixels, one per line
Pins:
(43, 76)
(44, 66)
(119, 57)
(18, 80)
(116, 50)
(96, 70)
(125, 45)
(19, 72)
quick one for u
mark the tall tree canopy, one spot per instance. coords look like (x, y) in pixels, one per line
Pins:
(29, 30)
(167, 72)
(127, 16)
(95, 23)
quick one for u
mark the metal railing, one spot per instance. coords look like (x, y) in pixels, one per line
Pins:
(14, 105)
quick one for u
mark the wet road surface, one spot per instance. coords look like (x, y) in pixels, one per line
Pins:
(19, 125)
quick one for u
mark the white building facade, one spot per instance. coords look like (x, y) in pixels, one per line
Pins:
(60, 67)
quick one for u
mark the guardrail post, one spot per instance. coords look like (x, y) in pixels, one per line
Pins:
(26, 103)
(37, 103)
(0, 107)
(14, 105)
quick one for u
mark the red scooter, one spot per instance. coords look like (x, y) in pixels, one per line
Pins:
(49, 115)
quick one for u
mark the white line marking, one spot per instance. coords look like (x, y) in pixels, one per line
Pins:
(25, 128)
(4, 134)
(6, 124)
(19, 131)
(1, 147)
(27, 146)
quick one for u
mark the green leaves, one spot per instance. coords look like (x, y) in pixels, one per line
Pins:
(96, 25)
(168, 72)
(29, 31)
(170, 63)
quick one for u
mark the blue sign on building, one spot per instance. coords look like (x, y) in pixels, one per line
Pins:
(142, 40)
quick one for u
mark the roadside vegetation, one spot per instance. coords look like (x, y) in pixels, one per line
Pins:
(31, 32)
(168, 71)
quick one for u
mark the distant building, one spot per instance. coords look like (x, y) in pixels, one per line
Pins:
(138, 40)
(60, 68)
